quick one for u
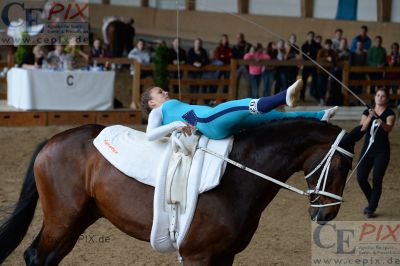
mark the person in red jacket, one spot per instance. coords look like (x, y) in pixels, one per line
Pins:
(223, 55)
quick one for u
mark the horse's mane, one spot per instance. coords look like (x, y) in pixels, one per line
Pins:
(288, 128)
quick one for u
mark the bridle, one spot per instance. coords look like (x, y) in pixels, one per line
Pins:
(319, 189)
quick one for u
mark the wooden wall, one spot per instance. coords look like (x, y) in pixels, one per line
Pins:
(209, 25)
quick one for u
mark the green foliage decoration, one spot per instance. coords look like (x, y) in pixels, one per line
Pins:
(160, 72)
(22, 49)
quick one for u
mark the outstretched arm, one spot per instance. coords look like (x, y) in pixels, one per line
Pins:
(155, 130)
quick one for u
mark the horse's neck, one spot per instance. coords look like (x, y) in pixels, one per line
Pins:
(279, 157)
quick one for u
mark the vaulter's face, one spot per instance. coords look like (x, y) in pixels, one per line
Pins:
(158, 97)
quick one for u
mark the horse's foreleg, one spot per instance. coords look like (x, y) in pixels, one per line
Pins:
(56, 239)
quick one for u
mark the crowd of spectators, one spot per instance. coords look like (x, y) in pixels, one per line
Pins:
(261, 80)
(266, 80)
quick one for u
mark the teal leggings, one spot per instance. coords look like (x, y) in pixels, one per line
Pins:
(231, 117)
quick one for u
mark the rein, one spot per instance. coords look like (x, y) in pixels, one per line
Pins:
(325, 163)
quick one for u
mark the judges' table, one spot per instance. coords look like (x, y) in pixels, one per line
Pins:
(60, 90)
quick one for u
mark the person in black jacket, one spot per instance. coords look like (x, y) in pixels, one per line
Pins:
(310, 48)
(197, 57)
(378, 156)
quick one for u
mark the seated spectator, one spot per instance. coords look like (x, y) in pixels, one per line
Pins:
(337, 40)
(197, 57)
(140, 54)
(176, 52)
(358, 58)
(269, 71)
(255, 71)
(55, 59)
(325, 55)
(376, 57)
(97, 49)
(363, 38)
(74, 54)
(33, 59)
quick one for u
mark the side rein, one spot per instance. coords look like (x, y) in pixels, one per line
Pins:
(318, 190)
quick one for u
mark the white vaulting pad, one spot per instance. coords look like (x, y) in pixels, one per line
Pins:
(147, 161)
(129, 151)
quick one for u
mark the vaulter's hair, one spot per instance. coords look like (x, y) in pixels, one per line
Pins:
(145, 98)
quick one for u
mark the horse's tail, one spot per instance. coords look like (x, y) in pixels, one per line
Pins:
(13, 230)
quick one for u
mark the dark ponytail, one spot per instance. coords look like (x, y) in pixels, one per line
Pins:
(144, 101)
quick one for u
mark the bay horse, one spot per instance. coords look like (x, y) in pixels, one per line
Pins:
(77, 185)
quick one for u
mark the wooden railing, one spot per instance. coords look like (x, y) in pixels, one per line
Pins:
(138, 81)
(369, 84)
(232, 93)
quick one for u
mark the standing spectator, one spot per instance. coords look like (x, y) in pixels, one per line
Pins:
(281, 71)
(255, 71)
(377, 57)
(269, 71)
(363, 37)
(176, 55)
(377, 54)
(358, 58)
(292, 53)
(318, 40)
(223, 53)
(325, 55)
(130, 34)
(378, 155)
(343, 55)
(343, 52)
(393, 60)
(310, 48)
(140, 54)
(337, 40)
(197, 57)
(241, 48)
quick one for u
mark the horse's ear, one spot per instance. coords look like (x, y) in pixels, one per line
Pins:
(349, 140)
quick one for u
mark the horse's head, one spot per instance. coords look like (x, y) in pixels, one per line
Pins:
(326, 175)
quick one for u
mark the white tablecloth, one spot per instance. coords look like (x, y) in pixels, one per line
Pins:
(65, 90)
